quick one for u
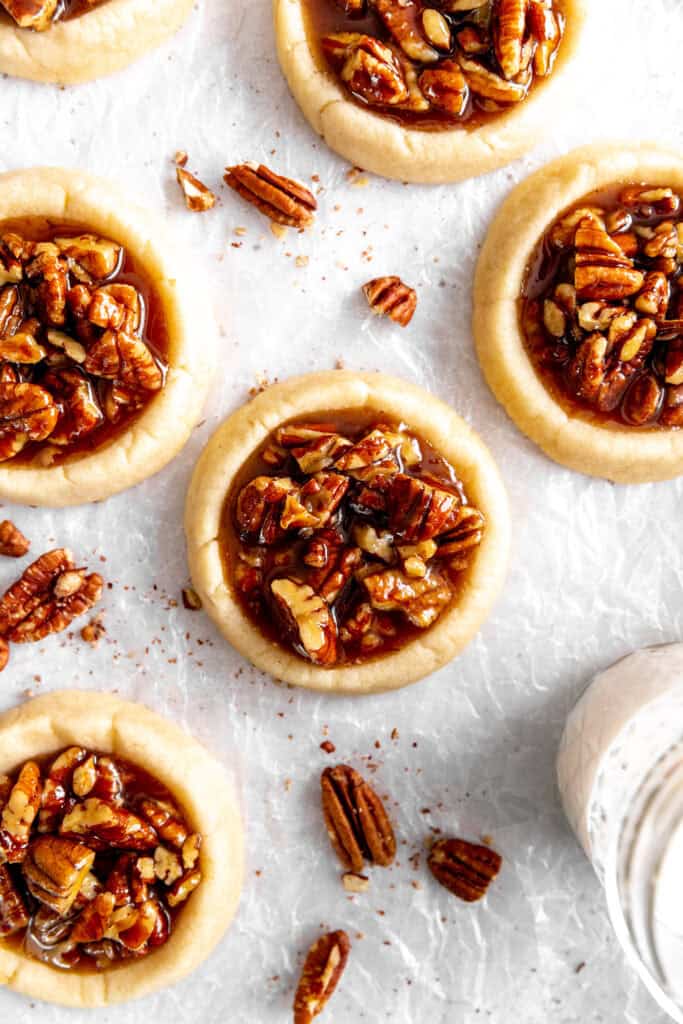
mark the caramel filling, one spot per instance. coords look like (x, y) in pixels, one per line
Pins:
(83, 341)
(602, 307)
(439, 63)
(345, 539)
(96, 861)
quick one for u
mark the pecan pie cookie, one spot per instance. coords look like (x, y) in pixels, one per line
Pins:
(120, 850)
(70, 41)
(578, 311)
(347, 531)
(428, 90)
(98, 387)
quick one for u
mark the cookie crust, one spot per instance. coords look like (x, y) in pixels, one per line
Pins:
(246, 429)
(103, 722)
(581, 442)
(95, 44)
(377, 144)
(165, 424)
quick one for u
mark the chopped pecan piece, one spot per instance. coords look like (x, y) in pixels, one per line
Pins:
(324, 966)
(198, 197)
(402, 20)
(102, 825)
(490, 86)
(27, 413)
(356, 820)
(389, 296)
(643, 400)
(13, 913)
(314, 446)
(465, 869)
(445, 87)
(94, 921)
(115, 306)
(55, 869)
(509, 29)
(13, 544)
(655, 294)
(602, 271)
(80, 413)
(120, 356)
(18, 814)
(11, 310)
(259, 505)
(56, 796)
(181, 890)
(650, 200)
(166, 822)
(419, 510)
(459, 542)
(420, 600)
(47, 274)
(33, 14)
(436, 28)
(330, 580)
(307, 617)
(281, 199)
(91, 258)
(4, 654)
(369, 68)
(546, 30)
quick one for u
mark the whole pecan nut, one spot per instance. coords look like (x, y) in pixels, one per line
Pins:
(324, 966)
(389, 296)
(465, 869)
(356, 820)
(281, 199)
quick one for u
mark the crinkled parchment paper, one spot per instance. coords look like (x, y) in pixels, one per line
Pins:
(596, 569)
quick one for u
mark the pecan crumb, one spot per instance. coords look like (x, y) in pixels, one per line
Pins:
(198, 197)
(181, 158)
(328, 747)
(355, 883)
(389, 296)
(191, 599)
(13, 543)
(93, 631)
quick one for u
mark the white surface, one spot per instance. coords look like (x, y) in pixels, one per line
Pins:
(596, 569)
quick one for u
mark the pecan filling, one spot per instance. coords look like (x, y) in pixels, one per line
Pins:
(602, 306)
(437, 63)
(39, 15)
(96, 860)
(82, 340)
(346, 539)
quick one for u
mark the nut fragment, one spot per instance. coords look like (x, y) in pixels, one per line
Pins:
(436, 28)
(101, 825)
(324, 966)
(307, 616)
(465, 869)
(370, 69)
(356, 820)
(13, 544)
(18, 814)
(355, 883)
(13, 914)
(198, 197)
(445, 87)
(54, 870)
(281, 199)
(191, 599)
(509, 28)
(389, 296)
(402, 19)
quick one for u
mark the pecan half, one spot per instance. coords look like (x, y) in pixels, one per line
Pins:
(323, 967)
(389, 296)
(281, 199)
(120, 356)
(198, 197)
(13, 544)
(509, 29)
(54, 870)
(420, 599)
(419, 510)
(27, 413)
(306, 617)
(356, 820)
(369, 68)
(465, 869)
(603, 271)
(40, 602)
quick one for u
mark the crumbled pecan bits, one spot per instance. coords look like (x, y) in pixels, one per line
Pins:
(465, 869)
(198, 197)
(389, 296)
(13, 544)
(191, 599)
(281, 199)
(324, 966)
(356, 820)
(46, 599)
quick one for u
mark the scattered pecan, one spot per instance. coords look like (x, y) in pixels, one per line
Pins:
(40, 602)
(389, 296)
(281, 199)
(643, 400)
(465, 869)
(191, 599)
(93, 631)
(196, 194)
(547, 33)
(324, 966)
(13, 544)
(356, 820)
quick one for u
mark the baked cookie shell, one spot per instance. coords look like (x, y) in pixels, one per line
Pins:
(95, 44)
(581, 442)
(437, 423)
(375, 143)
(163, 427)
(104, 722)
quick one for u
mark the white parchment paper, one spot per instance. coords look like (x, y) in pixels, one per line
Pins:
(596, 569)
